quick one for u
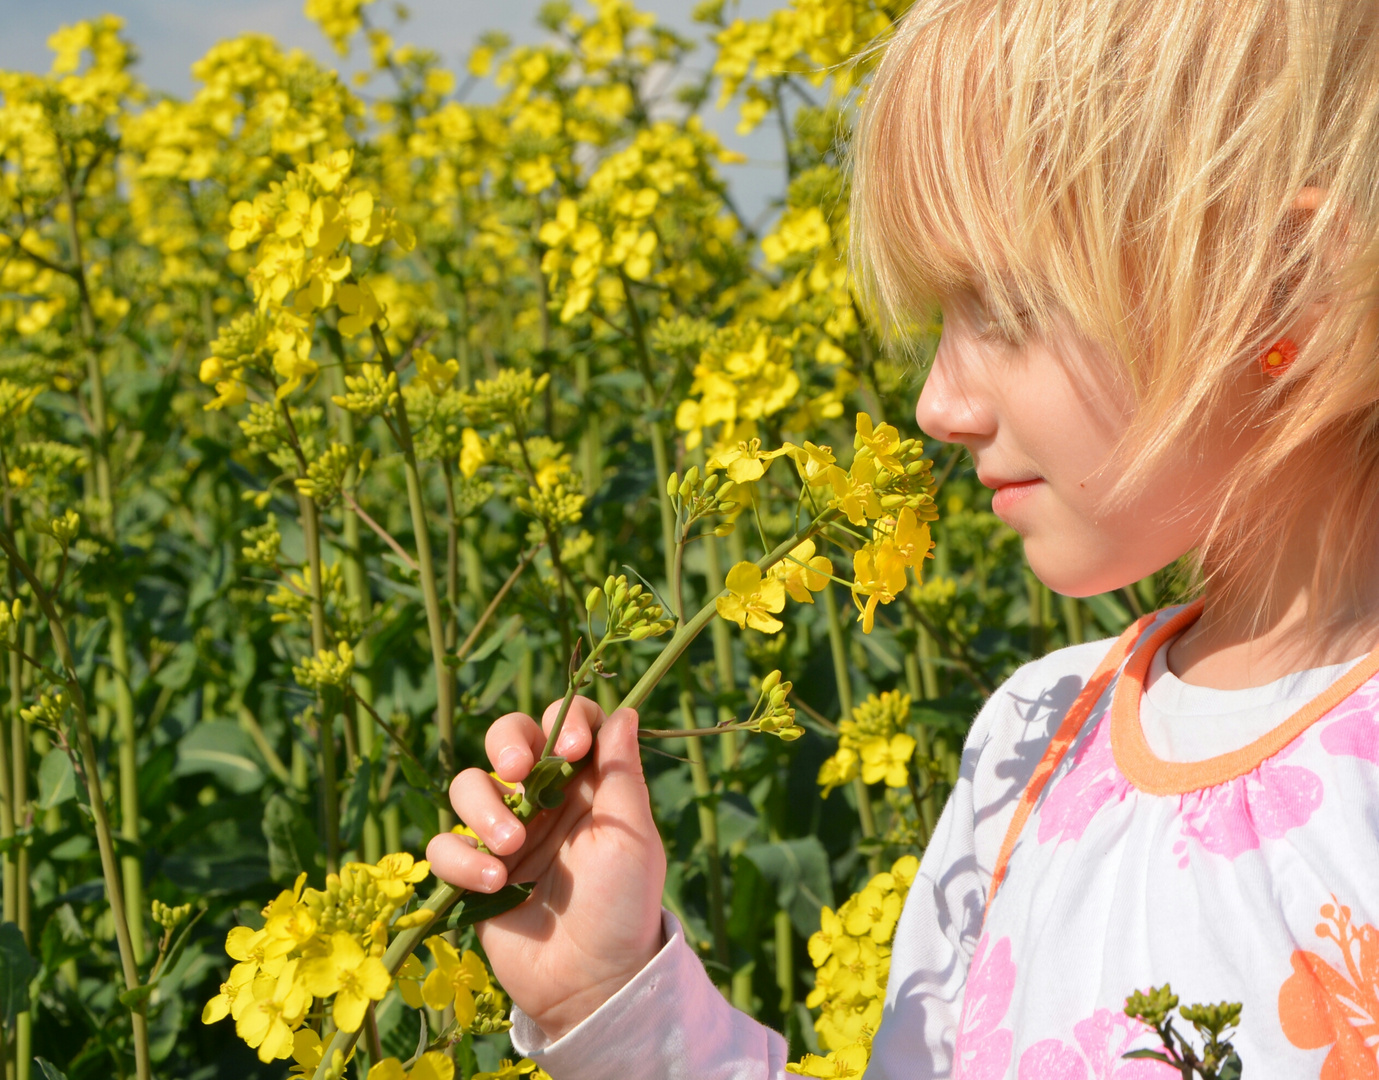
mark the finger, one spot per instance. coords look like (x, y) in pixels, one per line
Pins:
(476, 800)
(619, 756)
(455, 859)
(577, 735)
(513, 743)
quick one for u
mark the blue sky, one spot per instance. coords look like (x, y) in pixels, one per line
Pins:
(171, 34)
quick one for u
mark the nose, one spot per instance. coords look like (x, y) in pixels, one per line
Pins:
(953, 407)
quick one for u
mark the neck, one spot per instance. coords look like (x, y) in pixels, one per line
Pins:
(1248, 638)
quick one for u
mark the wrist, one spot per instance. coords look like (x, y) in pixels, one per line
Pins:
(563, 1016)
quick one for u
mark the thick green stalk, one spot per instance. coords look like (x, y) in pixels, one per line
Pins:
(728, 748)
(9, 809)
(840, 674)
(435, 627)
(330, 794)
(127, 731)
(1035, 591)
(91, 776)
(914, 682)
(20, 745)
(708, 834)
(1072, 619)
(444, 895)
(357, 590)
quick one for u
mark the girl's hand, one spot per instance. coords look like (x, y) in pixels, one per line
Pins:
(594, 919)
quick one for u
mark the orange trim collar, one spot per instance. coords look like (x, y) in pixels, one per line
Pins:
(1155, 776)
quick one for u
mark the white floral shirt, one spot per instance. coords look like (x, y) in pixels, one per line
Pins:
(1224, 841)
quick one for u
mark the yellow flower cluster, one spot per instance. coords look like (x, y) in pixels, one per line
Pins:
(817, 39)
(317, 943)
(851, 954)
(744, 375)
(608, 236)
(889, 485)
(873, 744)
(302, 228)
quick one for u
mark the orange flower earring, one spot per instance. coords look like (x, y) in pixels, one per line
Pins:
(1278, 357)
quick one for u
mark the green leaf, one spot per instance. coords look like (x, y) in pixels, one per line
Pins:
(16, 969)
(504, 673)
(356, 806)
(292, 842)
(57, 780)
(1230, 1068)
(178, 946)
(476, 907)
(495, 640)
(133, 999)
(48, 1070)
(1109, 612)
(222, 748)
(799, 870)
(751, 901)
(1152, 1054)
(177, 670)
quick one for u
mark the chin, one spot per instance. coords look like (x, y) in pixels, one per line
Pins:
(1069, 572)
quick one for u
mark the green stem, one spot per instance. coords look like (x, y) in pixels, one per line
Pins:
(707, 808)
(105, 515)
(840, 674)
(444, 895)
(914, 680)
(104, 841)
(722, 650)
(330, 795)
(357, 590)
(435, 627)
(1072, 619)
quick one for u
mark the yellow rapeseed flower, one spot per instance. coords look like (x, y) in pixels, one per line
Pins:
(752, 599)
(802, 572)
(455, 980)
(888, 760)
(432, 1065)
(354, 977)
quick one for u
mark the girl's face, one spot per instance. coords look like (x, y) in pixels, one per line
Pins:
(1042, 421)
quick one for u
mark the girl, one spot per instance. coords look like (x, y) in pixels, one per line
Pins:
(1153, 228)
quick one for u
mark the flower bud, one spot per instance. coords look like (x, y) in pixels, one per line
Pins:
(672, 484)
(592, 600)
(725, 529)
(770, 682)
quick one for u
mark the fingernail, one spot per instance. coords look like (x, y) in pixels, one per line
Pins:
(489, 876)
(565, 743)
(510, 760)
(503, 831)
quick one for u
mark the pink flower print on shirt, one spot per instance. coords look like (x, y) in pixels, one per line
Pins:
(1233, 818)
(1227, 820)
(1353, 730)
(1103, 1040)
(983, 1048)
(1091, 783)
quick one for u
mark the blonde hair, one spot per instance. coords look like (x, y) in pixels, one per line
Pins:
(1135, 164)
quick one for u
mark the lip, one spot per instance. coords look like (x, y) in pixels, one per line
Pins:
(1009, 493)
